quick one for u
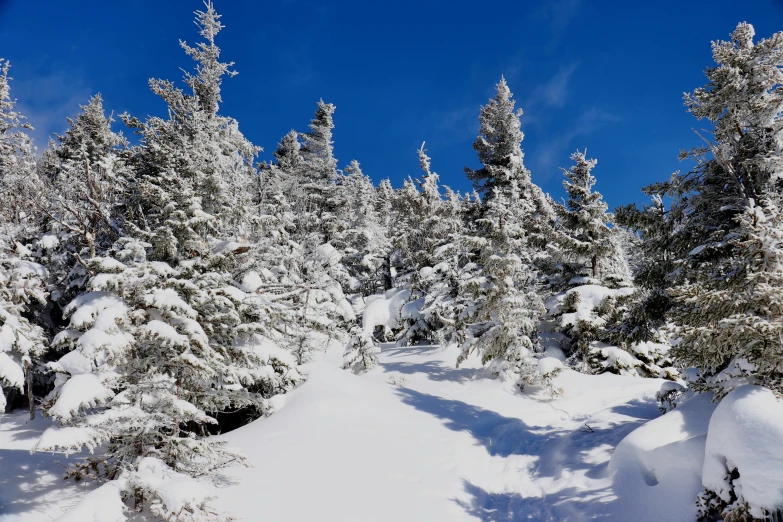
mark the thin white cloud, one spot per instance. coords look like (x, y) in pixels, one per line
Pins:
(556, 150)
(47, 101)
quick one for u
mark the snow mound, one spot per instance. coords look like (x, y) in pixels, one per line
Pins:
(327, 255)
(547, 365)
(656, 469)
(384, 309)
(100, 505)
(745, 435)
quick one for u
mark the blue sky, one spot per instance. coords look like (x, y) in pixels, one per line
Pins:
(603, 75)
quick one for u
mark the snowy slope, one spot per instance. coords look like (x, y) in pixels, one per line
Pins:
(417, 439)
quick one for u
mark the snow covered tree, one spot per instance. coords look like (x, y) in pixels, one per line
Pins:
(731, 324)
(19, 184)
(499, 150)
(512, 228)
(367, 244)
(587, 241)
(508, 308)
(156, 354)
(361, 352)
(733, 187)
(22, 342)
(84, 198)
(195, 169)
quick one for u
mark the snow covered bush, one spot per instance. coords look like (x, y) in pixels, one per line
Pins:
(587, 318)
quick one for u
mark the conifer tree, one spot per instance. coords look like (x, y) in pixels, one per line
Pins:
(19, 184)
(499, 150)
(588, 243)
(728, 207)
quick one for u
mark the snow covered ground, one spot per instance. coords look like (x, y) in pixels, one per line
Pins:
(31, 486)
(418, 439)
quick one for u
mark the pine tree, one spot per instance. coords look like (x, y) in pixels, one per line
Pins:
(499, 150)
(194, 170)
(586, 239)
(721, 221)
(508, 308)
(19, 184)
(22, 342)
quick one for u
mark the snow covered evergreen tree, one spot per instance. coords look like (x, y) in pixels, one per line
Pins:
(195, 169)
(727, 204)
(587, 242)
(22, 341)
(499, 150)
(19, 183)
(731, 325)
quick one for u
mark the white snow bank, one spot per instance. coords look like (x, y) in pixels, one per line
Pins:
(384, 309)
(100, 505)
(656, 470)
(746, 434)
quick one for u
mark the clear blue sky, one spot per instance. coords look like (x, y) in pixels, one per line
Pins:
(605, 75)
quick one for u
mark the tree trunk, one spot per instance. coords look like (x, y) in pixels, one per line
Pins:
(138, 500)
(594, 262)
(387, 279)
(28, 370)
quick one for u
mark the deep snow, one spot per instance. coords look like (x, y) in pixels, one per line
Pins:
(417, 439)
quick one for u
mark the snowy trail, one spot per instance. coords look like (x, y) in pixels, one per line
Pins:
(417, 439)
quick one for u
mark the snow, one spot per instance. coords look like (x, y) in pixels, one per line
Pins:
(746, 433)
(177, 491)
(168, 299)
(251, 282)
(48, 241)
(590, 297)
(384, 309)
(74, 363)
(28, 268)
(327, 255)
(227, 247)
(165, 332)
(10, 371)
(80, 391)
(87, 308)
(657, 468)
(31, 485)
(547, 365)
(103, 504)
(417, 439)
(66, 437)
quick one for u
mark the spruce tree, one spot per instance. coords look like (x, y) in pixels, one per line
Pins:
(586, 240)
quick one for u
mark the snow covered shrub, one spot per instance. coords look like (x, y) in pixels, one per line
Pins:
(591, 318)
(361, 353)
